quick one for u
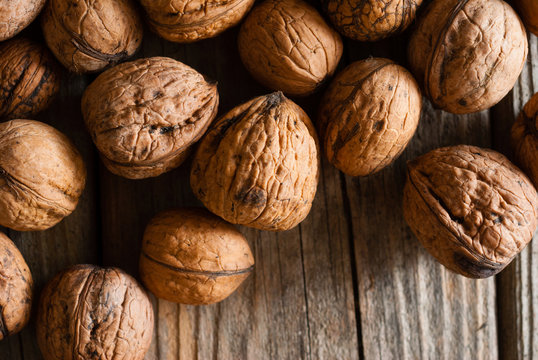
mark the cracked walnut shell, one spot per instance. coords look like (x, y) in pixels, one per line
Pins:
(468, 54)
(17, 15)
(89, 312)
(471, 208)
(286, 45)
(191, 256)
(258, 165)
(528, 9)
(144, 115)
(42, 175)
(525, 138)
(368, 116)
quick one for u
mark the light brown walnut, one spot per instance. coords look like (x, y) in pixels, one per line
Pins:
(16, 15)
(525, 138)
(528, 9)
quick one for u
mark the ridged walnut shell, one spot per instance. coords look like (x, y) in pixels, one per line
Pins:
(42, 175)
(528, 9)
(16, 15)
(144, 115)
(286, 45)
(87, 312)
(187, 21)
(468, 54)
(368, 116)
(191, 256)
(29, 78)
(525, 138)
(258, 165)
(471, 208)
(371, 20)
(16, 286)
(87, 36)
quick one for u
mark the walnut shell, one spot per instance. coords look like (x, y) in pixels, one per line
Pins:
(144, 115)
(16, 15)
(258, 165)
(525, 138)
(15, 289)
(528, 9)
(187, 21)
(368, 116)
(471, 208)
(42, 175)
(88, 312)
(87, 36)
(371, 20)
(29, 78)
(286, 45)
(468, 54)
(191, 256)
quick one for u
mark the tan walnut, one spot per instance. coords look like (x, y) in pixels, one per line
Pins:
(258, 165)
(42, 175)
(87, 36)
(144, 115)
(525, 138)
(528, 9)
(88, 312)
(371, 20)
(471, 208)
(368, 116)
(187, 21)
(191, 256)
(16, 15)
(16, 286)
(468, 54)
(29, 78)
(286, 45)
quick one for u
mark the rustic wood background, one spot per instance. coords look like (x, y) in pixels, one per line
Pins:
(351, 282)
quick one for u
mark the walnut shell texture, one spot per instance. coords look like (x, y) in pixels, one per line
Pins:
(468, 54)
(29, 78)
(525, 138)
(42, 175)
(471, 208)
(87, 312)
(371, 20)
(528, 9)
(144, 115)
(368, 116)
(286, 45)
(187, 21)
(16, 15)
(16, 286)
(191, 256)
(258, 165)
(87, 36)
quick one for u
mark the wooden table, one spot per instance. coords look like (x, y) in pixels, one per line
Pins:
(350, 282)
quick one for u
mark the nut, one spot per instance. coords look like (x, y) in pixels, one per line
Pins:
(186, 21)
(468, 54)
(525, 138)
(88, 312)
(42, 175)
(29, 79)
(258, 165)
(145, 115)
(15, 289)
(528, 9)
(16, 15)
(87, 36)
(286, 45)
(368, 115)
(471, 208)
(371, 20)
(191, 256)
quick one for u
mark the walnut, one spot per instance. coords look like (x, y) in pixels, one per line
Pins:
(187, 21)
(88, 312)
(42, 175)
(87, 36)
(258, 165)
(145, 115)
(16, 15)
(29, 78)
(371, 20)
(468, 54)
(191, 256)
(471, 208)
(286, 45)
(525, 138)
(15, 289)
(368, 115)
(528, 9)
